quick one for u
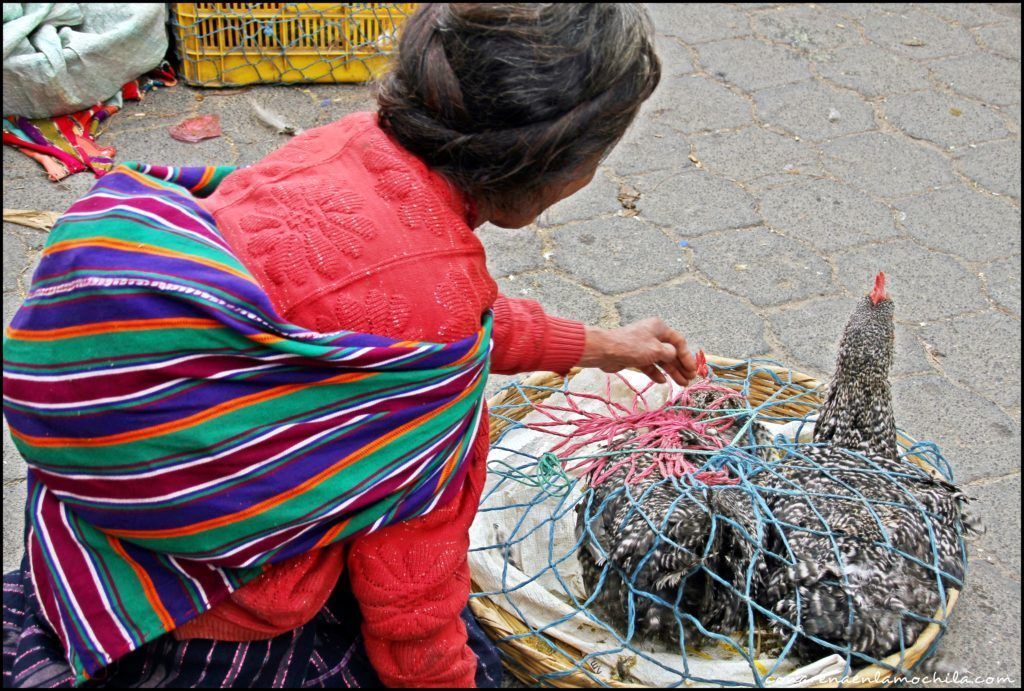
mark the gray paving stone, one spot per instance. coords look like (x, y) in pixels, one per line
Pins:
(297, 105)
(34, 258)
(859, 10)
(1006, 9)
(18, 166)
(885, 165)
(1003, 280)
(510, 251)
(966, 13)
(753, 152)
(811, 331)
(1014, 113)
(15, 260)
(973, 225)
(617, 254)
(925, 286)
(976, 437)
(34, 239)
(978, 624)
(144, 145)
(988, 78)
(695, 104)
(982, 352)
(253, 150)
(752, 65)
(874, 71)
(335, 101)
(675, 58)
(38, 192)
(763, 267)
(948, 121)
(14, 500)
(994, 166)
(14, 525)
(708, 318)
(812, 30)
(14, 464)
(813, 111)
(764, 184)
(695, 202)
(698, 23)
(650, 145)
(175, 102)
(559, 296)
(917, 35)
(1003, 40)
(600, 197)
(12, 302)
(995, 503)
(827, 214)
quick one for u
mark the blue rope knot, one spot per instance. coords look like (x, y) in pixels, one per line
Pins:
(551, 477)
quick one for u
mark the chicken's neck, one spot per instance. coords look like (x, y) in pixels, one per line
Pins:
(857, 414)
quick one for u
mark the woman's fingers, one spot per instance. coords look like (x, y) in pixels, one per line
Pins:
(688, 365)
(654, 373)
(650, 345)
(673, 369)
(683, 359)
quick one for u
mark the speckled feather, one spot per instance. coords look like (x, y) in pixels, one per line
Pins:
(860, 520)
(654, 538)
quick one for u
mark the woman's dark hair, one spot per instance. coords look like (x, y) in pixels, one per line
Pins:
(505, 99)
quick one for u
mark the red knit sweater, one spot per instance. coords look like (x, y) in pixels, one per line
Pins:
(346, 230)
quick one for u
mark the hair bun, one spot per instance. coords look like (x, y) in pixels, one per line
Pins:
(505, 99)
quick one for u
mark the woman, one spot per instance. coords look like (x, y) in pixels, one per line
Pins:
(492, 113)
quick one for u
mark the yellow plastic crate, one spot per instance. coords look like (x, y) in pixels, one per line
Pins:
(230, 44)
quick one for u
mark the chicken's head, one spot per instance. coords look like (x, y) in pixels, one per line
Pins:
(702, 364)
(869, 339)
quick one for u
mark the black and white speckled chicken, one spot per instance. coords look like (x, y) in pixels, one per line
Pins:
(653, 539)
(860, 571)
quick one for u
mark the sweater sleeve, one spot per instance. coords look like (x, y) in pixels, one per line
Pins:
(526, 338)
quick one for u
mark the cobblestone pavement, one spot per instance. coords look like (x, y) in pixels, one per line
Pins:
(790, 152)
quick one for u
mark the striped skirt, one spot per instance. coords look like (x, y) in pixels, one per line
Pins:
(326, 652)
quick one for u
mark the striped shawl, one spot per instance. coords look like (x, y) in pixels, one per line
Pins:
(180, 435)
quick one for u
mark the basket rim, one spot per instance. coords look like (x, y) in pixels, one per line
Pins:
(491, 615)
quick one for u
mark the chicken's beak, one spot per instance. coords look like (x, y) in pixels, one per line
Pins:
(879, 294)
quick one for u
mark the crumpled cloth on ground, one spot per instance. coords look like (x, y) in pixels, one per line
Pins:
(61, 58)
(66, 144)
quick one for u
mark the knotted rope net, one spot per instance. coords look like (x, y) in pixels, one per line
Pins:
(639, 534)
(223, 44)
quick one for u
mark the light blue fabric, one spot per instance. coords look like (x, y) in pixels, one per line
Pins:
(61, 58)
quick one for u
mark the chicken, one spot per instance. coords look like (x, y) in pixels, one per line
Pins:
(667, 545)
(853, 565)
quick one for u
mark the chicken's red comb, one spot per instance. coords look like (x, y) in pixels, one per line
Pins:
(702, 364)
(878, 294)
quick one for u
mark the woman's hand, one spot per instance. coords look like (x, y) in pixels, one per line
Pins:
(647, 345)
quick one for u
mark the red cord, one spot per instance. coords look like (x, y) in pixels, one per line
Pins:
(652, 428)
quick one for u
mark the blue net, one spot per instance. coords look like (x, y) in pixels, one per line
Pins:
(811, 563)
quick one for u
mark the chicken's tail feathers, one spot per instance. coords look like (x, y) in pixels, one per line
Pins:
(973, 524)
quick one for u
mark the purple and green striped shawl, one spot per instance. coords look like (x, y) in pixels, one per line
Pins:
(180, 435)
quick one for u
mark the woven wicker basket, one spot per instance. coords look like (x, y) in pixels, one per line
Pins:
(529, 657)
